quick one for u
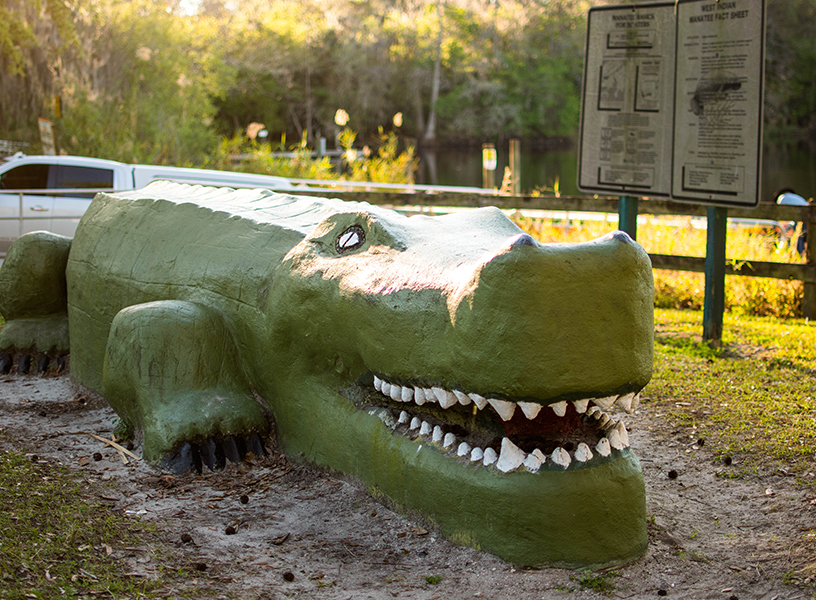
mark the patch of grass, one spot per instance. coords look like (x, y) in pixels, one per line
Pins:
(755, 395)
(596, 582)
(433, 579)
(58, 540)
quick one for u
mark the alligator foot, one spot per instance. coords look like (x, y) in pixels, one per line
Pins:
(171, 371)
(213, 453)
(28, 362)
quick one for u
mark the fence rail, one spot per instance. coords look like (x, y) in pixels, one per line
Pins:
(429, 198)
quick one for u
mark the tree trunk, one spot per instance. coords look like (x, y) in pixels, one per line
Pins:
(430, 133)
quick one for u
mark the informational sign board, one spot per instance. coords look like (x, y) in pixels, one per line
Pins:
(628, 97)
(718, 103)
(47, 137)
(672, 103)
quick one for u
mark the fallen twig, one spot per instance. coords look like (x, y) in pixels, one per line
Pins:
(121, 449)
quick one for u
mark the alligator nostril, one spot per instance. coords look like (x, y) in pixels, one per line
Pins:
(522, 239)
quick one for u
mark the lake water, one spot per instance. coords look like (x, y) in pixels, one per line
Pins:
(784, 166)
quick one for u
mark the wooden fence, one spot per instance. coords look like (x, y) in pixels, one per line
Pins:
(805, 272)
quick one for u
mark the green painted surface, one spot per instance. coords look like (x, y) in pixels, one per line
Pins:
(189, 307)
(33, 297)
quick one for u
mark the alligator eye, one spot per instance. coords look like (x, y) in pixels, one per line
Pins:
(351, 239)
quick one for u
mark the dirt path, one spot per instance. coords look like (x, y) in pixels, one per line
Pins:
(277, 530)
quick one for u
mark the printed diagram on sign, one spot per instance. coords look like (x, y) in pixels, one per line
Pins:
(715, 98)
(612, 88)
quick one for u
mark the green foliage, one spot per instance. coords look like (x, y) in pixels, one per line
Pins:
(385, 164)
(433, 579)
(145, 81)
(597, 583)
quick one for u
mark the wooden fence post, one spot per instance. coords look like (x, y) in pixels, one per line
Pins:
(809, 292)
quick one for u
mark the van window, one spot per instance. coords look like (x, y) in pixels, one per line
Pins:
(25, 177)
(69, 176)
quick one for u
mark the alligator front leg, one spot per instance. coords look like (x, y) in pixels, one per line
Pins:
(171, 371)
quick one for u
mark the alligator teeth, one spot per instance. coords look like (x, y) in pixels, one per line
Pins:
(511, 457)
(419, 396)
(530, 409)
(490, 457)
(625, 402)
(504, 408)
(583, 453)
(446, 399)
(395, 392)
(479, 401)
(559, 408)
(623, 434)
(462, 397)
(561, 457)
(534, 460)
(605, 403)
(437, 434)
(613, 435)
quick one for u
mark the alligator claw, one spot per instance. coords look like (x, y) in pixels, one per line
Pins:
(255, 445)
(234, 449)
(181, 461)
(5, 363)
(42, 363)
(24, 364)
(212, 455)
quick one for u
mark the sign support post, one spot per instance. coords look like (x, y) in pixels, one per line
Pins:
(627, 215)
(714, 304)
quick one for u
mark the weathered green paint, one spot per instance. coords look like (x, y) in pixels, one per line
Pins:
(33, 296)
(197, 310)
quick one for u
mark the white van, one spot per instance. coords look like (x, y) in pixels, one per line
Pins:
(59, 211)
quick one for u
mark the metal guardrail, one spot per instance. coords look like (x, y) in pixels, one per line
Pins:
(428, 197)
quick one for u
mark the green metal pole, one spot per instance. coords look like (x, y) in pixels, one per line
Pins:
(627, 215)
(715, 275)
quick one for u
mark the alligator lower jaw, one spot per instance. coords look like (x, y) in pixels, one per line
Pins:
(525, 436)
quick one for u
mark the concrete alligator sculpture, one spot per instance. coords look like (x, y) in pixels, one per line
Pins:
(453, 364)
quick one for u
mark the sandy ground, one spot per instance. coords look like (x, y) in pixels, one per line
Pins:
(272, 529)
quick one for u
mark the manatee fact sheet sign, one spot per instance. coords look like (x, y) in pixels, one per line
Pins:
(672, 102)
(628, 95)
(718, 104)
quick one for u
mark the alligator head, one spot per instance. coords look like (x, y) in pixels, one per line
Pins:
(464, 370)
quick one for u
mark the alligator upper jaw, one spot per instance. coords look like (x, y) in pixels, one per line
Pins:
(503, 434)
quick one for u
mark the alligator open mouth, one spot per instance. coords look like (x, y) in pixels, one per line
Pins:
(500, 433)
